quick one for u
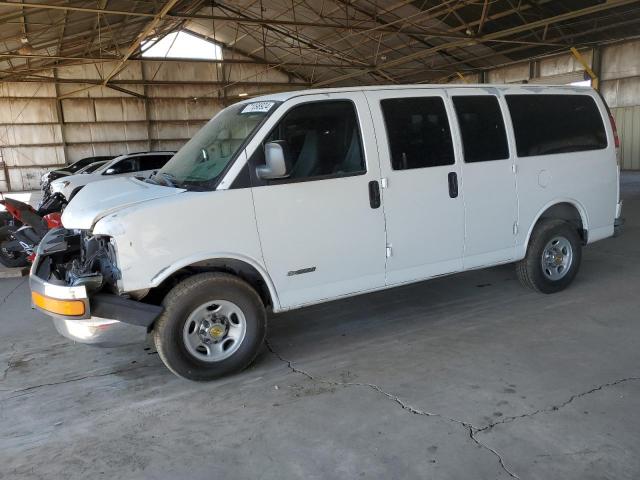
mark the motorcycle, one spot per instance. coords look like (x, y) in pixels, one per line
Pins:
(24, 227)
(50, 203)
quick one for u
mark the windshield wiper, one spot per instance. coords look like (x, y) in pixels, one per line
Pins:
(167, 178)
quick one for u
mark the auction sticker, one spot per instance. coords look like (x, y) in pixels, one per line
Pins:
(258, 107)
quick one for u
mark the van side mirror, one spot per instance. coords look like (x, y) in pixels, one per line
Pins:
(277, 161)
(110, 171)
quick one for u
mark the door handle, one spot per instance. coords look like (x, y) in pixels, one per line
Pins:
(374, 194)
(453, 184)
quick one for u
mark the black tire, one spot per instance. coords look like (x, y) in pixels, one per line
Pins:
(8, 259)
(530, 270)
(188, 296)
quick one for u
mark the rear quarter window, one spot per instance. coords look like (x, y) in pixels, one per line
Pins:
(481, 128)
(548, 124)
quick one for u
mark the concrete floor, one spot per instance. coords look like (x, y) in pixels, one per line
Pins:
(464, 377)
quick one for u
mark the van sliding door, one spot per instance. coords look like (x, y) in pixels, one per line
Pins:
(423, 204)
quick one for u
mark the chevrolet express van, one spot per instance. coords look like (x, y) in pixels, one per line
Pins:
(299, 198)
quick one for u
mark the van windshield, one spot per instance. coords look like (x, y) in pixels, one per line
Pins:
(201, 161)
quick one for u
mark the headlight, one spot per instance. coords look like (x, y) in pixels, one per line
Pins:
(59, 186)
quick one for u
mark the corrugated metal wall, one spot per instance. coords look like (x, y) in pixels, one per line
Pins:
(28, 126)
(620, 86)
(43, 125)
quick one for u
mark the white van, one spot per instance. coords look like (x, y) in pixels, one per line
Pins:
(139, 164)
(305, 197)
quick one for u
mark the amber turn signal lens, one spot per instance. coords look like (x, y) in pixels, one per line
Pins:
(71, 308)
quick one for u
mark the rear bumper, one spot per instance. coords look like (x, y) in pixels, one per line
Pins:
(107, 320)
(618, 226)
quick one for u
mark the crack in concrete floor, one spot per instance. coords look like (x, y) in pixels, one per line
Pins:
(473, 431)
(9, 362)
(23, 391)
(470, 428)
(467, 426)
(13, 290)
(555, 408)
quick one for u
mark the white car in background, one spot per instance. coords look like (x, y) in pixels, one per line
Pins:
(140, 164)
(92, 167)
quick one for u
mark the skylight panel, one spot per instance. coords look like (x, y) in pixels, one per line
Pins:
(181, 45)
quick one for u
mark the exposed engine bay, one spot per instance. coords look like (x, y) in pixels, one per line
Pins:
(75, 257)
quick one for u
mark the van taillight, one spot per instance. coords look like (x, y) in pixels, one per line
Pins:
(616, 139)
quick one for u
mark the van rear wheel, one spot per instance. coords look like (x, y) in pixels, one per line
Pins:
(213, 324)
(553, 257)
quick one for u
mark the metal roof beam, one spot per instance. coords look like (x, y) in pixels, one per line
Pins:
(146, 31)
(225, 18)
(73, 8)
(224, 61)
(401, 30)
(561, 49)
(98, 82)
(492, 36)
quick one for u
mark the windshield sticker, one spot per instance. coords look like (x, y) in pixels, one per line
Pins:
(258, 107)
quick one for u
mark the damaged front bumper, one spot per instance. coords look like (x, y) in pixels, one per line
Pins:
(101, 319)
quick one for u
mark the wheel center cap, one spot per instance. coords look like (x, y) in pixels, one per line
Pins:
(559, 258)
(216, 331)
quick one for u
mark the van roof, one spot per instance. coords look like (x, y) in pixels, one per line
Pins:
(281, 97)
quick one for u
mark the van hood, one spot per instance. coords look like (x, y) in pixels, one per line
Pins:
(99, 199)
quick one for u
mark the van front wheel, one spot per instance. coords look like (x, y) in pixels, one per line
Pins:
(553, 257)
(213, 324)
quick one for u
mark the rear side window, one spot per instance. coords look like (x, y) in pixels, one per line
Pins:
(547, 124)
(481, 127)
(418, 132)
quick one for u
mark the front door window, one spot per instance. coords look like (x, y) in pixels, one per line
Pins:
(322, 140)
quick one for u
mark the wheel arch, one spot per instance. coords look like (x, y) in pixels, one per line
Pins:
(565, 209)
(74, 192)
(243, 267)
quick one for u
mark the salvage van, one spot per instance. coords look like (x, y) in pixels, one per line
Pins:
(299, 198)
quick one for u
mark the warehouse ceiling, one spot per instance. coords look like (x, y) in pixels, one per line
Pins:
(316, 42)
